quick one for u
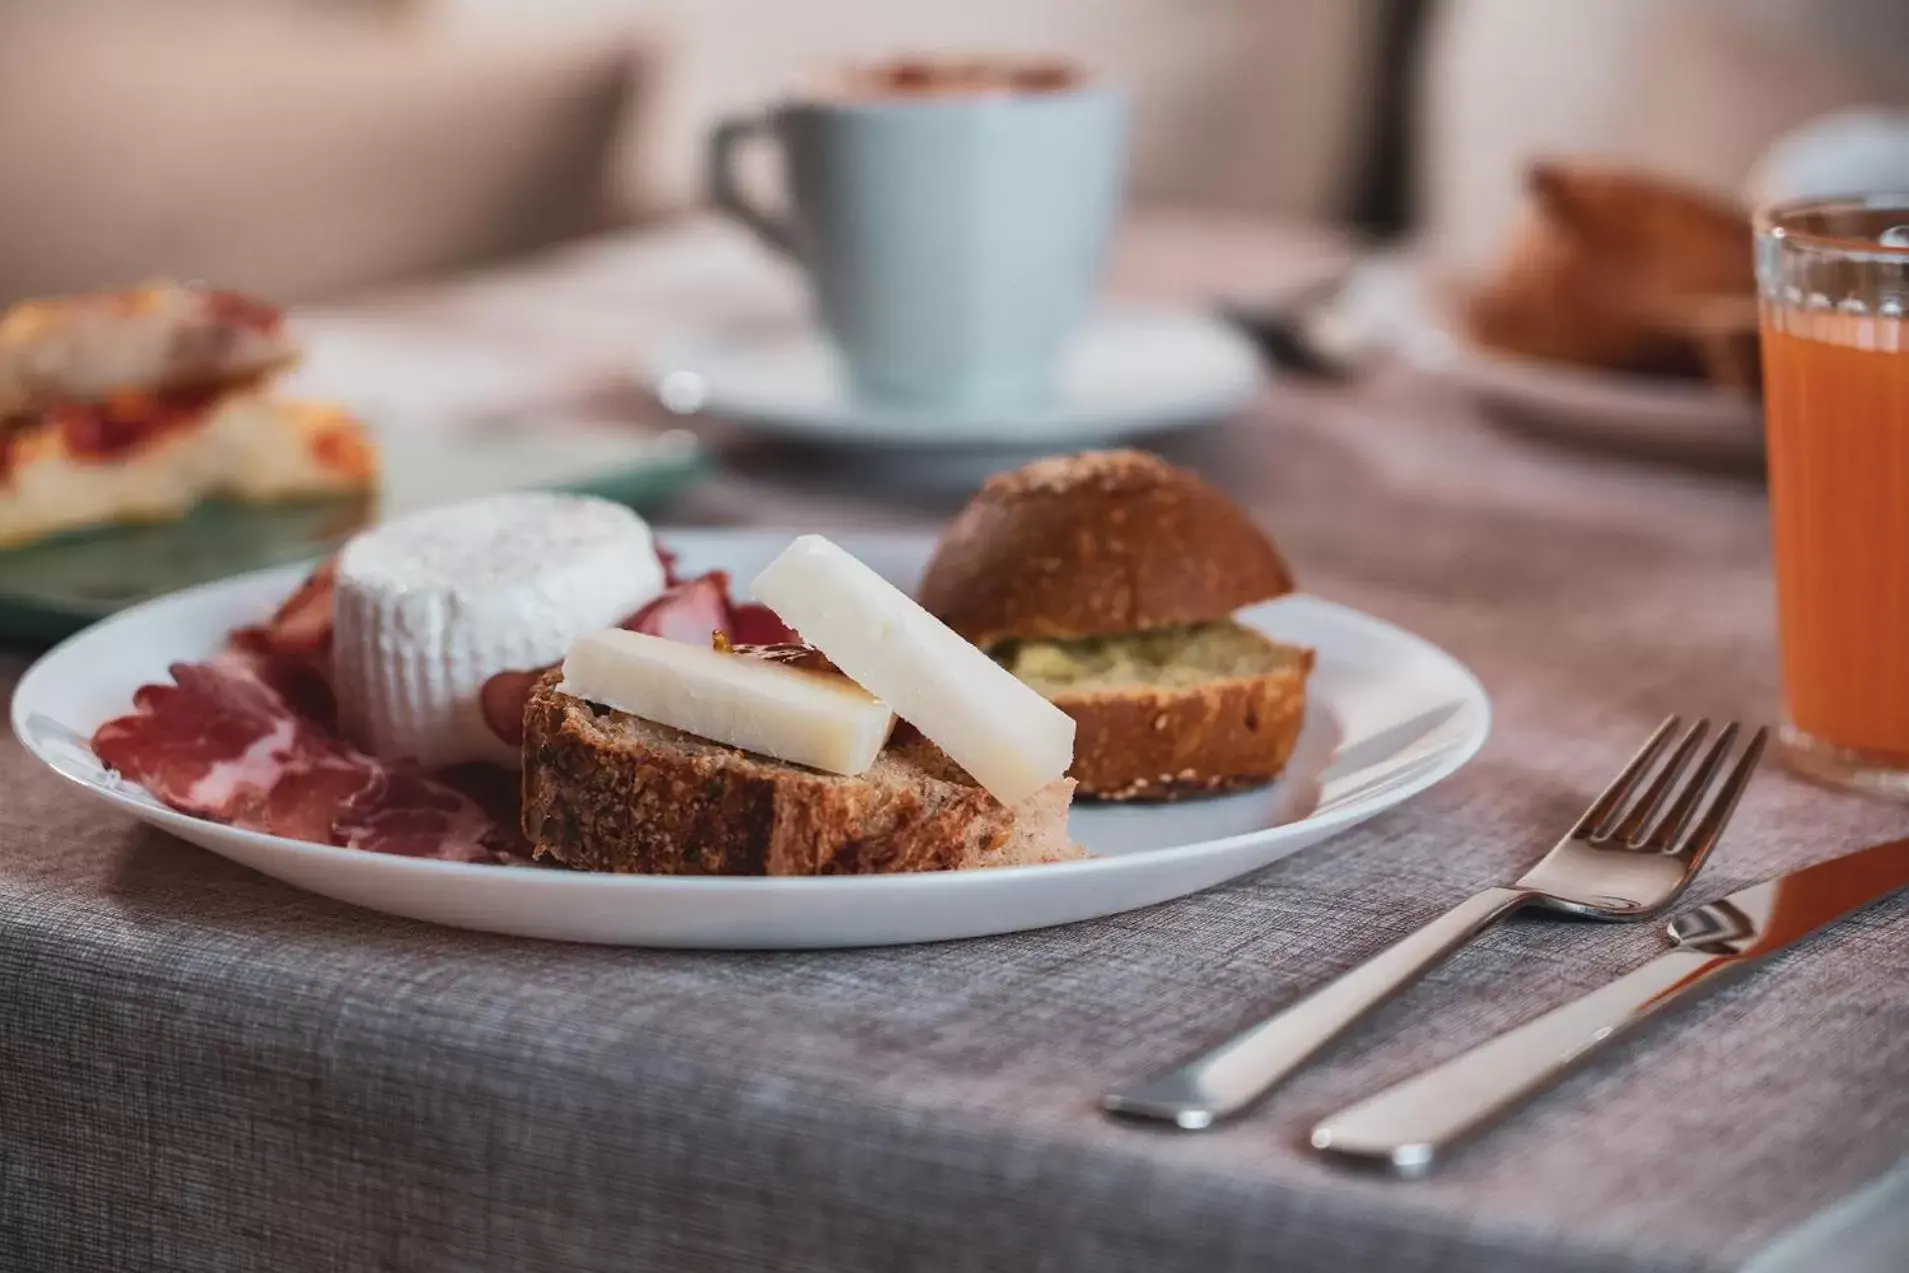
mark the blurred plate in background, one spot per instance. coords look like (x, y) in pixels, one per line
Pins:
(1653, 417)
(458, 413)
(1128, 371)
(51, 589)
(1646, 416)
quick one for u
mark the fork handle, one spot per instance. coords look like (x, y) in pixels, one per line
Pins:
(1408, 1125)
(1233, 1075)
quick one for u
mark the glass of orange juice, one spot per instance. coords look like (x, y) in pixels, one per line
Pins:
(1834, 318)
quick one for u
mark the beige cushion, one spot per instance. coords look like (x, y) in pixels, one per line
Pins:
(1766, 83)
(252, 142)
(291, 153)
(1691, 89)
(1257, 104)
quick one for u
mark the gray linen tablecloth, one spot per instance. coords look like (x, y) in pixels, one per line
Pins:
(203, 1069)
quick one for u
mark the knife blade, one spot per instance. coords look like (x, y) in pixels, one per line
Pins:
(1408, 1126)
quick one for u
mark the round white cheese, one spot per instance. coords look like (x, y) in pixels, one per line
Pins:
(430, 606)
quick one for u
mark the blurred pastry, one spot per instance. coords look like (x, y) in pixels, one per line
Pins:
(158, 337)
(136, 405)
(1721, 331)
(1622, 271)
(1670, 239)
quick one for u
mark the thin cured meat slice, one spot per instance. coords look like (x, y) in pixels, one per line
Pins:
(694, 610)
(212, 743)
(502, 701)
(291, 651)
(689, 611)
(222, 743)
(406, 811)
(752, 624)
(301, 626)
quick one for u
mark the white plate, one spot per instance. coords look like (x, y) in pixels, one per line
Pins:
(1389, 716)
(1128, 371)
(1652, 416)
(1638, 415)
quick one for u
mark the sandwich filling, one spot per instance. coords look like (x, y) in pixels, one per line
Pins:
(1162, 658)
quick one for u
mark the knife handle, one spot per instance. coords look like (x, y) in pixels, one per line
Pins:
(1407, 1126)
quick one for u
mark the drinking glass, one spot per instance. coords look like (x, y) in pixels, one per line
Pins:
(1833, 278)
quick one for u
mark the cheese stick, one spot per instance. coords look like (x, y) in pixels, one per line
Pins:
(789, 713)
(1010, 739)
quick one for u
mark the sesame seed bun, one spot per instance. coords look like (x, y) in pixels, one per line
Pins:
(1097, 544)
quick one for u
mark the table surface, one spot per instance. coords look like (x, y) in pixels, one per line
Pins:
(203, 1069)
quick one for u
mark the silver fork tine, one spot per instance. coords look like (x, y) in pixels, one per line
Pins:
(1704, 836)
(1613, 797)
(1664, 835)
(1630, 831)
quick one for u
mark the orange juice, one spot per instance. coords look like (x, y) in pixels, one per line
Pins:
(1836, 405)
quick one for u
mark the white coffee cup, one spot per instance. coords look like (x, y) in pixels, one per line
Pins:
(953, 219)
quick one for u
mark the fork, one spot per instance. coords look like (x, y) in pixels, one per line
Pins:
(1622, 860)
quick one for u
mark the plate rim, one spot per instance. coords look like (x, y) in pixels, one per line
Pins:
(1539, 384)
(1455, 757)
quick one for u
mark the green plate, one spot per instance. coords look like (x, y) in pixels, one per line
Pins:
(52, 589)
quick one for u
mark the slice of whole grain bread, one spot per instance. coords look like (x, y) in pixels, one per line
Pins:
(606, 791)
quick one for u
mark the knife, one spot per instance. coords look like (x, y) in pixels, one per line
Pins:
(1407, 1127)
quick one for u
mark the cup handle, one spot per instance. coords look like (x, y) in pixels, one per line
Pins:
(725, 191)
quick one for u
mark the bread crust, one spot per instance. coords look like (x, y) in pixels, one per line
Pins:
(1094, 544)
(606, 792)
(1145, 743)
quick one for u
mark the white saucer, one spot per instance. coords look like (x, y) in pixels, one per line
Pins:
(1127, 371)
(1388, 714)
